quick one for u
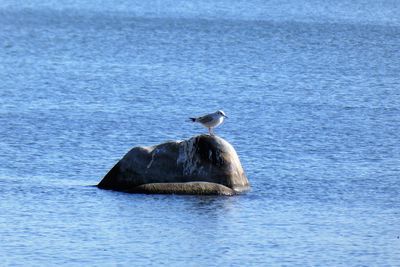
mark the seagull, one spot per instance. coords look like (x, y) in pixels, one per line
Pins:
(211, 120)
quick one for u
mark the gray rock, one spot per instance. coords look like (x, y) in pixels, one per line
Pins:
(201, 165)
(189, 188)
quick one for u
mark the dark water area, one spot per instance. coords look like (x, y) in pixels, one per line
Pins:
(312, 91)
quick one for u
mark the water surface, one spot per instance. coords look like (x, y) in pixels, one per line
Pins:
(312, 91)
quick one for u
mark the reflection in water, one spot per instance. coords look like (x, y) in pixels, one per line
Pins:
(211, 204)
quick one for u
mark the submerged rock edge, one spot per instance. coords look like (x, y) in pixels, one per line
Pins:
(189, 188)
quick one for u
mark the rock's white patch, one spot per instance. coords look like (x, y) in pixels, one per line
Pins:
(187, 157)
(153, 154)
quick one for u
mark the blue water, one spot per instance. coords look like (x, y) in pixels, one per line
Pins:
(312, 91)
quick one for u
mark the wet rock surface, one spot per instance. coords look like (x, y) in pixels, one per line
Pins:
(203, 164)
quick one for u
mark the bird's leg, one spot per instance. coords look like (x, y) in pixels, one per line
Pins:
(209, 131)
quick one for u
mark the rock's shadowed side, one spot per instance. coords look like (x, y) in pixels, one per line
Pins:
(205, 164)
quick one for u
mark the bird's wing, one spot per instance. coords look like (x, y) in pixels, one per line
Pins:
(205, 119)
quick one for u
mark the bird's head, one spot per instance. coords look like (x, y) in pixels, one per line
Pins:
(220, 112)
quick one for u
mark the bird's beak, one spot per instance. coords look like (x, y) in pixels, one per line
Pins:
(225, 116)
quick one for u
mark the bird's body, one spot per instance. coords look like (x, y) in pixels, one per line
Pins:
(211, 120)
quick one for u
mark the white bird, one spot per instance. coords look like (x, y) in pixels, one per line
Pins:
(211, 121)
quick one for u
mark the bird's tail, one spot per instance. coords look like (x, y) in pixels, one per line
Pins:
(192, 119)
